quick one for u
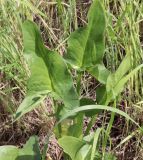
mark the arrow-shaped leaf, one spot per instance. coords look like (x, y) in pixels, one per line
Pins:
(86, 45)
(49, 73)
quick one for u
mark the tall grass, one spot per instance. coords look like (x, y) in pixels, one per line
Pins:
(11, 58)
(123, 37)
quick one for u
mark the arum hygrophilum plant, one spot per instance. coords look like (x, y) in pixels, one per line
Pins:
(51, 76)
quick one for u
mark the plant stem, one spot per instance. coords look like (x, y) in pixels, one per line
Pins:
(110, 124)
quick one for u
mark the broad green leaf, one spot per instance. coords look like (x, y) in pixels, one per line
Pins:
(49, 73)
(76, 47)
(86, 45)
(83, 149)
(71, 146)
(89, 138)
(99, 72)
(8, 152)
(86, 101)
(101, 94)
(29, 103)
(96, 107)
(30, 151)
(84, 153)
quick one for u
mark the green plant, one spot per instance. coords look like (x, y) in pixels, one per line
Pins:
(30, 151)
(50, 76)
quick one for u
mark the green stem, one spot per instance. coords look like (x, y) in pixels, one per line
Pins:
(108, 130)
(79, 75)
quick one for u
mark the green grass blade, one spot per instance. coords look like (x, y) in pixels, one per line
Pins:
(95, 107)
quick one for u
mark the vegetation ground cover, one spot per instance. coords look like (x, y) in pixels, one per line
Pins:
(56, 21)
